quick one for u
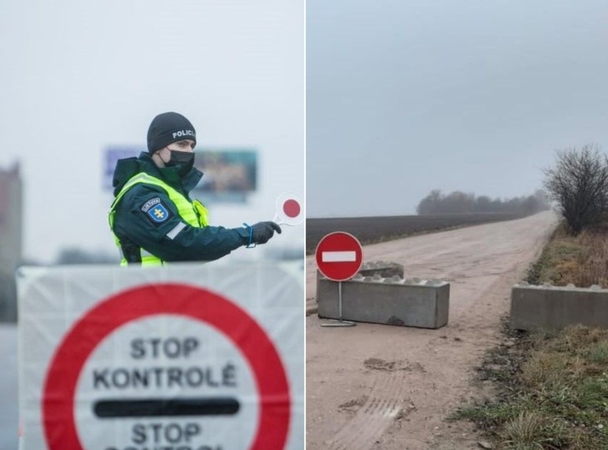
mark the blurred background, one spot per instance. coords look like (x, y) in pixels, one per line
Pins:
(80, 82)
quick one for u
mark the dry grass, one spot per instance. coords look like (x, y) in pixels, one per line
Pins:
(554, 384)
(581, 260)
(531, 431)
(559, 397)
(544, 368)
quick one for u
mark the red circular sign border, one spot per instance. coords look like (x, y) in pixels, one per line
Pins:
(317, 257)
(167, 298)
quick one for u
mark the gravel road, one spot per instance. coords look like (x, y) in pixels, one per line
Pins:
(384, 387)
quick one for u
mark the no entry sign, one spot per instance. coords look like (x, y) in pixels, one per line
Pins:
(339, 256)
(171, 365)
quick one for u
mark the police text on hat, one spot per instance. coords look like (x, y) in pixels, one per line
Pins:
(167, 128)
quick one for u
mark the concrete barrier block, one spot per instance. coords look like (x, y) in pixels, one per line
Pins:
(385, 269)
(386, 300)
(546, 306)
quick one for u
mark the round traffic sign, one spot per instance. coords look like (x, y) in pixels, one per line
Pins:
(339, 256)
(186, 303)
(288, 209)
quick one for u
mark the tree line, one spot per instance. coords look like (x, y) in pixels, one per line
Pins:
(576, 184)
(458, 202)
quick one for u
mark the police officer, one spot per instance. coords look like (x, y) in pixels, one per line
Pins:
(153, 218)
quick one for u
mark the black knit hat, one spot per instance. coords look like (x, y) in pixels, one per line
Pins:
(167, 128)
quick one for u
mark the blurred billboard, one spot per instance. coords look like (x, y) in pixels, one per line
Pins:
(230, 174)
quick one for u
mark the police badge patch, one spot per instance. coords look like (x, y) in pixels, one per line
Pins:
(150, 203)
(158, 213)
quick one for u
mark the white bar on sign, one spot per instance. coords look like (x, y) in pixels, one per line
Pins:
(338, 256)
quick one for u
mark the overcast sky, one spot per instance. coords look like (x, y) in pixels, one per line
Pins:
(79, 76)
(408, 96)
(402, 97)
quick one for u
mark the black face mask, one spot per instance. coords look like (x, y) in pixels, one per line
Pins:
(184, 161)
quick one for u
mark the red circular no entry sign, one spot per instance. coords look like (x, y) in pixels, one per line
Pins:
(339, 256)
(166, 299)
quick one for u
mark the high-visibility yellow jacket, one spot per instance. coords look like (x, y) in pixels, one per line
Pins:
(193, 212)
(154, 220)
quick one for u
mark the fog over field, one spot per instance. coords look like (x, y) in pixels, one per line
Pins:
(472, 96)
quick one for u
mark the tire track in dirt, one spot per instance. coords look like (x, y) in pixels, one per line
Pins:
(374, 416)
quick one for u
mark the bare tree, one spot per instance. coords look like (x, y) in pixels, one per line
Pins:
(458, 202)
(483, 204)
(579, 185)
(431, 204)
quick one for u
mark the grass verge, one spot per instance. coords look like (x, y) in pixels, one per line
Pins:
(552, 386)
(580, 260)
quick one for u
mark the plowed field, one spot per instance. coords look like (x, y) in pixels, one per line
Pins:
(371, 230)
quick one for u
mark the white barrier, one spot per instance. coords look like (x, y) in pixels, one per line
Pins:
(183, 357)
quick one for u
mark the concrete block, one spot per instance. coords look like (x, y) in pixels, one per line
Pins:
(385, 269)
(534, 307)
(391, 300)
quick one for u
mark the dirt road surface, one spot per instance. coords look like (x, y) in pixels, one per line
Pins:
(372, 387)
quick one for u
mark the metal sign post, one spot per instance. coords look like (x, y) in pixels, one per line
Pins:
(339, 322)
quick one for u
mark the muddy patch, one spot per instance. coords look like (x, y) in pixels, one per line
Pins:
(390, 366)
(353, 404)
